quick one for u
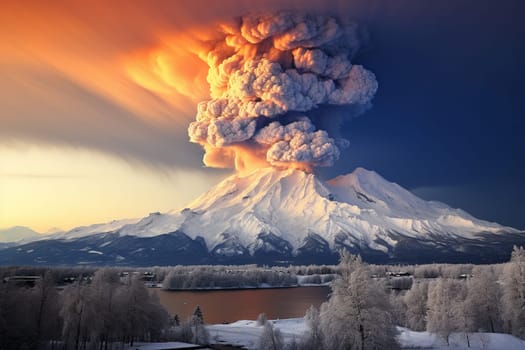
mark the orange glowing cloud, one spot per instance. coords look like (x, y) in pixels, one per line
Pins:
(117, 50)
(140, 63)
(171, 68)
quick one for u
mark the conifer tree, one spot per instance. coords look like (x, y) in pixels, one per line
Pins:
(198, 313)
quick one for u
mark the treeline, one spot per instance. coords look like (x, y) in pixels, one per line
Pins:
(362, 312)
(490, 299)
(84, 315)
(56, 274)
(247, 275)
(203, 277)
(59, 274)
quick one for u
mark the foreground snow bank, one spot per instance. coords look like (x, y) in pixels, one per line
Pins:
(458, 341)
(246, 333)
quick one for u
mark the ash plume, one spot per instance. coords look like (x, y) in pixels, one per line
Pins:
(266, 74)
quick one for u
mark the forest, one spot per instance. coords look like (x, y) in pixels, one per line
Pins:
(109, 308)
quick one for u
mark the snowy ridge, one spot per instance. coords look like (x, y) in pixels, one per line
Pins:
(83, 231)
(358, 209)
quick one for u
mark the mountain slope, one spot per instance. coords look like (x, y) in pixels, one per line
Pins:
(17, 233)
(288, 216)
(360, 208)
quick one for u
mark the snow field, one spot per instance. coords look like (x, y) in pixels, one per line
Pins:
(247, 333)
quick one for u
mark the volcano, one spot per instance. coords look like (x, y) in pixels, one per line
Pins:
(274, 216)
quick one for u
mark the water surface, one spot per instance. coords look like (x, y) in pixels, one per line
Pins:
(231, 305)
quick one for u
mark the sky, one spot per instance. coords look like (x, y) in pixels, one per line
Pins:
(96, 99)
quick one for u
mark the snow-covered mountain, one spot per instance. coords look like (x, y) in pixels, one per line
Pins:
(17, 233)
(292, 216)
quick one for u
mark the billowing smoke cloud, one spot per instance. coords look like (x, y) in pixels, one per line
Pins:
(297, 142)
(265, 75)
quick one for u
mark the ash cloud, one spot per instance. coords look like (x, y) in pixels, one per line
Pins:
(266, 69)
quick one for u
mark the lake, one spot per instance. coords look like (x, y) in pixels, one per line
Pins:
(220, 306)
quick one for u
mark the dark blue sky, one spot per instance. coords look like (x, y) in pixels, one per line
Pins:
(448, 119)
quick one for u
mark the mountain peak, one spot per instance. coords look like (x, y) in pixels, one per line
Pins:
(256, 184)
(17, 233)
(360, 208)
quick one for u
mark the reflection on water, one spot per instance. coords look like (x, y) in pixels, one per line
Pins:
(231, 305)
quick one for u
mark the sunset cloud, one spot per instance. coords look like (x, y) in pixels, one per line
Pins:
(123, 78)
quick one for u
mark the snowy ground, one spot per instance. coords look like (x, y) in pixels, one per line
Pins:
(458, 341)
(247, 333)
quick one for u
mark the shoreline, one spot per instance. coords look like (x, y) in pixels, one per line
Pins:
(212, 289)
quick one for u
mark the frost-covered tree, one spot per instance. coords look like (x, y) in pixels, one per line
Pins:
(294, 345)
(85, 315)
(183, 332)
(445, 310)
(313, 337)
(103, 312)
(75, 303)
(141, 314)
(416, 306)
(358, 314)
(262, 319)
(200, 334)
(483, 300)
(398, 308)
(462, 312)
(513, 300)
(271, 338)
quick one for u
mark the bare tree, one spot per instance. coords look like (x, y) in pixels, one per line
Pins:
(262, 319)
(19, 325)
(483, 300)
(73, 312)
(271, 338)
(313, 338)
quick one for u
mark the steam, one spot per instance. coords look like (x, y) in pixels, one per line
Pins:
(265, 74)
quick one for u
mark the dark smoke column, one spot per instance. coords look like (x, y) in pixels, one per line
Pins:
(265, 75)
